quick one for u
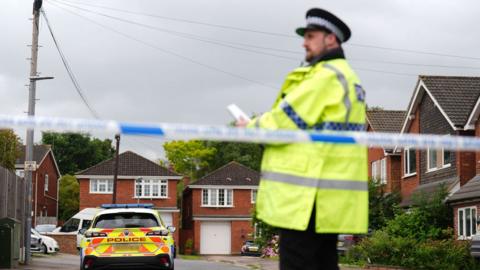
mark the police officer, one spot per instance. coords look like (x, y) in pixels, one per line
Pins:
(314, 191)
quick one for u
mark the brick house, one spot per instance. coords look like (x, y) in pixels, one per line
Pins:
(139, 181)
(441, 105)
(45, 184)
(217, 210)
(384, 165)
(466, 201)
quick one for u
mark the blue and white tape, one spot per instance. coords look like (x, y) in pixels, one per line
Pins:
(223, 133)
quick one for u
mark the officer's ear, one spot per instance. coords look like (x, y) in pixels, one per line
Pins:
(332, 40)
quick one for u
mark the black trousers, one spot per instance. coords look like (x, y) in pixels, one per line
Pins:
(308, 250)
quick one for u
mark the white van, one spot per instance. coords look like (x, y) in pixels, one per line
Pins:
(80, 220)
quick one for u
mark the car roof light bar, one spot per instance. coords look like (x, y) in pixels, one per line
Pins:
(127, 205)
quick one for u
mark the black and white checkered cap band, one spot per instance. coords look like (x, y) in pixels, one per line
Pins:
(330, 26)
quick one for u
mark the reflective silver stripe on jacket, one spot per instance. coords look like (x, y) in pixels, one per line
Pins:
(343, 81)
(316, 183)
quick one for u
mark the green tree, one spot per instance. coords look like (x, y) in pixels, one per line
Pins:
(382, 207)
(75, 151)
(9, 148)
(248, 154)
(69, 197)
(191, 158)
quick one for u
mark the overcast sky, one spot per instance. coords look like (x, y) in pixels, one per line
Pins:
(165, 73)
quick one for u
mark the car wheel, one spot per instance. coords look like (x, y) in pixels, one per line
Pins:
(44, 249)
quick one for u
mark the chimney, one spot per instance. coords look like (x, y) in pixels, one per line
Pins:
(186, 181)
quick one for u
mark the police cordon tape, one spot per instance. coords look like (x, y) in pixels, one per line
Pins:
(222, 133)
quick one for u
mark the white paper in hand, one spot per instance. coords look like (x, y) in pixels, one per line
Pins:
(237, 113)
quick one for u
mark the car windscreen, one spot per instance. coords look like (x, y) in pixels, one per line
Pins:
(45, 228)
(126, 220)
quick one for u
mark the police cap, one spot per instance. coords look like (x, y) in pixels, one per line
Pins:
(320, 19)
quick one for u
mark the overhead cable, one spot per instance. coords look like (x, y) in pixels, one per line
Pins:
(168, 51)
(272, 33)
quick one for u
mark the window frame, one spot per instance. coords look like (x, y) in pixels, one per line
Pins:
(45, 185)
(462, 222)
(150, 184)
(228, 197)
(407, 171)
(101, 182)
(383, 171)
(440, 156)
(253, 196)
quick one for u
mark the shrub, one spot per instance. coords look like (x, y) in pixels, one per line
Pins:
(384, 249)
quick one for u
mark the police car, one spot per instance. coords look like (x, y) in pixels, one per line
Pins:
(127, 236)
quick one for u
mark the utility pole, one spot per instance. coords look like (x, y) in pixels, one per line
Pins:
(115, 174)
(30, 165)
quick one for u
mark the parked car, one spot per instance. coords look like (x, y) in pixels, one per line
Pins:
(475, 247)
(45, 228)
(48, 244)
(35, 243)
(80, 220)
(250, 248)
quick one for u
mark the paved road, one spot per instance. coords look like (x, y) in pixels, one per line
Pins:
(71, 262)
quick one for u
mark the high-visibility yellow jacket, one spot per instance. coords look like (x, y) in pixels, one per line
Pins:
(325, 97)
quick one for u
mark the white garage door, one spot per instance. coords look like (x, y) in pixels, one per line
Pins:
(167, 218)
(215, 237)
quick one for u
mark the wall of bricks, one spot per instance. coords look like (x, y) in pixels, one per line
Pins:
(241, 231)
(46, 201)
(125, 194)
(66, 242)
(242, 204)
(408, 184)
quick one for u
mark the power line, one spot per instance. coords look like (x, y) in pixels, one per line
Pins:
(180, 34)
(168, 51)
(188, 21)
(222, 43)
(69, 69)
(204, 65)
(273, 33)
(73, 78)
(202, 39)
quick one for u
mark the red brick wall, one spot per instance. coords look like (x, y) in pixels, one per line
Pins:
(466, 166)
(196, 236)
(455, 214)
(125, 194)
(242, 204)
(410, 183)
(66, 242)
(241, 231)
(394, 173)
(46, 201)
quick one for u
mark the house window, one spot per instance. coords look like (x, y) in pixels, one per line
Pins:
(101, 186)
(467, 222)
(379, 171)
(410, 162)
(375, 171)
(438, 159)
(217, 197)
(383, 171)
(254, 195)
(148, 188)
(46, 182)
